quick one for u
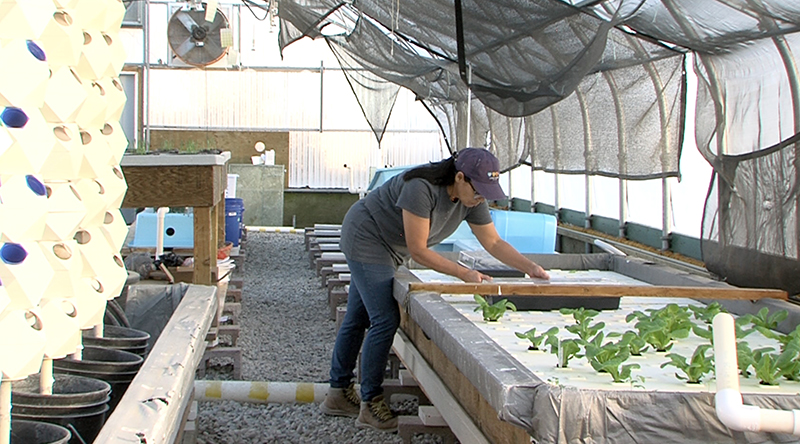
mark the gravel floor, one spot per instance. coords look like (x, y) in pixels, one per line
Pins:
(285, 336)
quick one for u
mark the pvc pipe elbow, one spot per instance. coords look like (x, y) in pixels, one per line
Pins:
(735, 415)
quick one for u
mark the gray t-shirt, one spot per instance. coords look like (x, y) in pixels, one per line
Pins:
(372, 231)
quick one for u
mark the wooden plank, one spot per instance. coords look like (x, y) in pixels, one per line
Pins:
(460, 422)
(584, 290)
(202, 246)
(216, 210)
(156, 401)
(174, 186)
(479, 410)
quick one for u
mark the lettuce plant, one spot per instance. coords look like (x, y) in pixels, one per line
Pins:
(765, 365)
(706, 314)
(696, 368)
(790, 369)
(744, 358)
(704, 331)
(636, 345)
(580, 315)
(770, 366)
(662, 326)
(583, 326)
(609, 358)
(765, 320)
(566, 350)
(785, 340)
(495, 311)
(537, 340)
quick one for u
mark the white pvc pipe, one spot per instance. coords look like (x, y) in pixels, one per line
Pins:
(291, 230)
(46, 378)
(5, 411)
(98, 330)
(729, 406)
(260, 392)
(162, 213)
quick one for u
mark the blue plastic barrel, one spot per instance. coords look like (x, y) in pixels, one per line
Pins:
(234, 209)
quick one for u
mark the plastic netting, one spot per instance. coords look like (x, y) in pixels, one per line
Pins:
(598, 87)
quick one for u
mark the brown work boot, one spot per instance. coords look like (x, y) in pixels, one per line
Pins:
(375, 414)
(341, 402)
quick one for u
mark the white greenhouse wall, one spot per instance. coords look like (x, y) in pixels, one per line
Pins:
(261, 89)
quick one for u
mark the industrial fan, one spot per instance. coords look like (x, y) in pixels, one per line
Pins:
(199, 37)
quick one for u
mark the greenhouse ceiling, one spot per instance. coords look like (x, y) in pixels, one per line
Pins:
(594, 87)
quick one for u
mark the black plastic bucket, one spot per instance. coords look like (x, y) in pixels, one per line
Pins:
(68, 390)
(116, 367)
(77, 402)
(86, 423)
(35, 432)
(119, 338)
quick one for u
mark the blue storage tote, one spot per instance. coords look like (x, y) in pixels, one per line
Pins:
(178, 230)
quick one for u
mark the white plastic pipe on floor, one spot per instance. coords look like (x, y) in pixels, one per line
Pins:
(260, 392)
(276, 230)
(729, 406)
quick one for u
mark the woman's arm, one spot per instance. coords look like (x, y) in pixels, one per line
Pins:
(503, 251)
(416, 231)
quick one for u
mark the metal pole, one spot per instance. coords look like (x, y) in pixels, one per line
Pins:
(623, 206)
(321, 72)
(469, 105)
(146, 72)
(666, 213)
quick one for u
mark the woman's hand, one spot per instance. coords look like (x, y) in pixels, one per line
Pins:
(536, 271)
(474, 276)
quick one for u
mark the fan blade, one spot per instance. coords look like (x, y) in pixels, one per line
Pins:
(184, 48)
(214, 46)
(186, 20)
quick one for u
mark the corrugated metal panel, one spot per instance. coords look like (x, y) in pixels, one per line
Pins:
(248, 99)
(317, 160)
(289, 100)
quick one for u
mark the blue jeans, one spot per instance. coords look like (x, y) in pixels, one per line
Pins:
(370, 305)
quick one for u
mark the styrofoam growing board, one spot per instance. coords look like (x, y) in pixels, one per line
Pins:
(580, 373)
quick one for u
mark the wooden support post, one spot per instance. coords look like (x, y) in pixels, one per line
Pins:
(202, 246)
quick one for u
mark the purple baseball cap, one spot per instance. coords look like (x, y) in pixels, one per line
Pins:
(483, 170)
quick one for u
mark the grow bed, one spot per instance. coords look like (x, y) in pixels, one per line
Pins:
(494, 376)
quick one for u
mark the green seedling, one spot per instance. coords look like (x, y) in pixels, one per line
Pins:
(662, 326)
(566, 350)
(537, 340)
(609, 358)
(636, 345)
(766, 366)
(619, 372)
(704, 331)
(791, 369)
(764, 319)
(580, 315)
(657, 333)
(583, 326)
(696, 369)
(585, 331)
(706, 314)
(495, 311)
(744, 358)
(783, 339)
(740, 325)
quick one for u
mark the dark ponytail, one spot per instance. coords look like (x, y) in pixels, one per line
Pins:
(437, 173)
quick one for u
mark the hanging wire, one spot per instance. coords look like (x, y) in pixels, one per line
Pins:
(250, 3)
